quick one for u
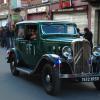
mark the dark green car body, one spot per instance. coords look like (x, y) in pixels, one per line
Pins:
(56, 52)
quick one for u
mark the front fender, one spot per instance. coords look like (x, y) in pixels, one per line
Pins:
(95, 58)
(53, 58)
(56, 61)
(96, 54)
(96, 63)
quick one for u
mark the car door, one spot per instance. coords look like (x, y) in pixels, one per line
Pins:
(20, 42)
(32, 46)
(32, 52)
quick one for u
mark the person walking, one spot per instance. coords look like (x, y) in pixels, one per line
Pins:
(8, 35)
(88, 35)
(3, 42)
(0, 36)
(12, 36)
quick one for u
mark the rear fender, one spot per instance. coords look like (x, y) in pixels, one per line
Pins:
(12, 54)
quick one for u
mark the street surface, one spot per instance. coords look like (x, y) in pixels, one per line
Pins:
(24, 88)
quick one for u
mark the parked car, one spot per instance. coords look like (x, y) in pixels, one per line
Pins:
(55, 53)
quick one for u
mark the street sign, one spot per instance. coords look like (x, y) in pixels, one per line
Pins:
(65, 4)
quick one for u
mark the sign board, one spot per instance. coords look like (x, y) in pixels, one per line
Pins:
(45, 1)
(65, 4)
(32, 10)
(16, 17)
(41, 9)
(37, 10)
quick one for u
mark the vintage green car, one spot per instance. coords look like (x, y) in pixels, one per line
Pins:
(55, 52)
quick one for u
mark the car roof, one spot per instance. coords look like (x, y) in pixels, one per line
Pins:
(44, 21)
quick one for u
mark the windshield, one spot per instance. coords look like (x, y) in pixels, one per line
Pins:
(58, 29)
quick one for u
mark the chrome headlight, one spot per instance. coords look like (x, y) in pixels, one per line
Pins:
(96, 51)
(67, 52)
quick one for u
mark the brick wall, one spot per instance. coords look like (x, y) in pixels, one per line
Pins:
(31, 2)
(35, 2)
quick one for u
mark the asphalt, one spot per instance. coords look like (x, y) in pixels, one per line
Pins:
(25, 88)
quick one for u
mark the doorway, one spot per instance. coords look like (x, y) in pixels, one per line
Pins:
(98, 34)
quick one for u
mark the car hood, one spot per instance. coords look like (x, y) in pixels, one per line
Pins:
(61, 39)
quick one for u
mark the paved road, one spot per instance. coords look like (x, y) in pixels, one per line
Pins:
(23, 88)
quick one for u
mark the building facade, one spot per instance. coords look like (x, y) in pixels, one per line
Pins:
(70, 10)
(95, 19)
(82, 12)
(79, 11)
(3, 12)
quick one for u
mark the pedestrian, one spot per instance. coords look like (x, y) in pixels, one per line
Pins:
(8, 35)
(3, 35)
(88, 35)
(78, 31)
(12, 36)
(0, 36)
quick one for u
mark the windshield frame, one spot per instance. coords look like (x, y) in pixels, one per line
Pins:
(63, 34)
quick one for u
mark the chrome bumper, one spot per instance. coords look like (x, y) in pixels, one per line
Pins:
(81, 77)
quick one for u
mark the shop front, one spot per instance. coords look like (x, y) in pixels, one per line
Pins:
(73, 11)
(3, 20)
(78, 15)
(98, 35)
(95, 19)
(69, 10)
(38, 13)
(3, 14)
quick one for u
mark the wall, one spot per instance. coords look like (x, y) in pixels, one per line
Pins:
(1, 1)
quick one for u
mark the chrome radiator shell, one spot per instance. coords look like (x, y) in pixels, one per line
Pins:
(81, 56)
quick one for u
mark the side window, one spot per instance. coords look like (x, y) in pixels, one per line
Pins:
(70, 29)
(30, 31)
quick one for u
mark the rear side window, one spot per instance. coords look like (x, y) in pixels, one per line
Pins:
(30, 31)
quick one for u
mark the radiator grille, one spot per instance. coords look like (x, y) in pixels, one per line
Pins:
(81, 55)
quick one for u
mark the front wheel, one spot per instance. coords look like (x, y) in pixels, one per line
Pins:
(97, 85)
(13, 68)
(50, 79)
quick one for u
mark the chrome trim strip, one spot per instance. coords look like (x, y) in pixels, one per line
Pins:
(78, 75)
(23, 70)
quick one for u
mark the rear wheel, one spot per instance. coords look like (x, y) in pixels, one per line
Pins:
(97, 85)
(13, 68)
(50, 79)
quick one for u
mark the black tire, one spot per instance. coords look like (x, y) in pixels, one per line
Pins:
(13, 68)
(50, 80)
(97, 85)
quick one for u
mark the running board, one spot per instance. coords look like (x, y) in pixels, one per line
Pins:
(24, 70)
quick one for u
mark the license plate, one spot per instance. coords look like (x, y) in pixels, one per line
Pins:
(90, 79)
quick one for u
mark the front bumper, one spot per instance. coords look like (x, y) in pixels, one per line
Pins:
(81, 77)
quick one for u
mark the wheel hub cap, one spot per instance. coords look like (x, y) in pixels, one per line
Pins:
(48, 78)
